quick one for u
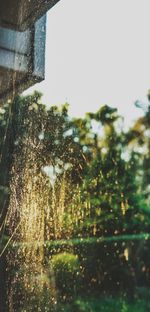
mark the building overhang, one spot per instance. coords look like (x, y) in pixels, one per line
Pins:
(22, 58)
(21, 14)
(22, 44)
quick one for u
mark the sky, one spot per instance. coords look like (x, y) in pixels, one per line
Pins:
(97, 52)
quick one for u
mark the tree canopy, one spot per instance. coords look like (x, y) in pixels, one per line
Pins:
(104, 168)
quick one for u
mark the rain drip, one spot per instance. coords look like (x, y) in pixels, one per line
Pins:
(33, 211)
(73, 226)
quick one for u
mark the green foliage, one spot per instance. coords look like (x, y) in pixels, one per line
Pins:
(67, 274)
(98, 188)
(106, 174)
(105, 305)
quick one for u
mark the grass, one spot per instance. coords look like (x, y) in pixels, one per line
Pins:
(105, 305)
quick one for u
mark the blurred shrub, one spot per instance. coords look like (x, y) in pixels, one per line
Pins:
(105, 304)
(67, 272)
(103, 266)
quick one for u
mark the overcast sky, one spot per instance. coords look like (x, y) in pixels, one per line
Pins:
(98, 52)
